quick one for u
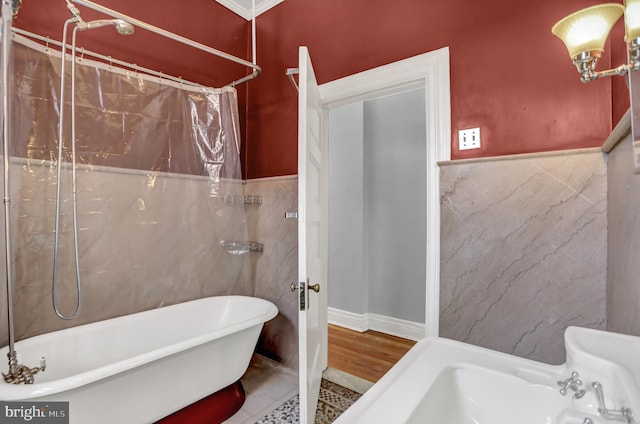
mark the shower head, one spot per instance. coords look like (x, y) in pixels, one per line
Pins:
(123, 27)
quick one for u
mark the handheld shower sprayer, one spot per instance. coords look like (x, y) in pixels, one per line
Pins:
(79, 24)
(123, 27)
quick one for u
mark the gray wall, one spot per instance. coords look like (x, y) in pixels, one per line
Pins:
(523, 250)
(348, 291)
(277, 267)
(377, 156)
(623, 284)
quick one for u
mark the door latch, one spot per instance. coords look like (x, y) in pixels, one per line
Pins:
(303, 291)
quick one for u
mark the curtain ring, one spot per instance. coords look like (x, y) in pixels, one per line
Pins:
(81, 54)
(110, 62)
(46, 45)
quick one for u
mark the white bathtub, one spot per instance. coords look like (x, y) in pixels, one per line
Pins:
(141, 367)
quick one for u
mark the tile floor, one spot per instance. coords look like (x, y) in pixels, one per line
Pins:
(268, 384)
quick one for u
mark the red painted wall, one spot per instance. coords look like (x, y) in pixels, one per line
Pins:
(509, 75)
(204, 21)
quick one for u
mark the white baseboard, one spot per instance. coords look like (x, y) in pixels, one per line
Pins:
(350, 320)
(368, 321)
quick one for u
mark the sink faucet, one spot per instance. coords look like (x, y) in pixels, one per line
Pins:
(622, 414)
(572, 383)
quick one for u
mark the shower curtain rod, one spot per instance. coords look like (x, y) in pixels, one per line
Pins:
(138, 23)
(107, 59)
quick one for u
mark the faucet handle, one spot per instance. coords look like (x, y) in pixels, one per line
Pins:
(572, 383)
(613, 414)
(575, 379)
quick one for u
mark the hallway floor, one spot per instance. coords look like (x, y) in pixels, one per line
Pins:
(367, 355)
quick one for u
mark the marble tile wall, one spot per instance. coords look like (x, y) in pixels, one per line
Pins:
(623, 284)
(523, 250)
(145, 240)
(522, 238)
(277, 267)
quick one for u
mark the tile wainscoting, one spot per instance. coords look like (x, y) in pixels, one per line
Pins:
(277, 267)
(146, 239)
(523, 250)
(523, 255)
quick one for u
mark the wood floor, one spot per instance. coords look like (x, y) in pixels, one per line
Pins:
(367, 355)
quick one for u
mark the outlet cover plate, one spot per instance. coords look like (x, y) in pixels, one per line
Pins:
(469, 139)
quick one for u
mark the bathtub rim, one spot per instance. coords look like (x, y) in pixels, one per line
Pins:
(9, 392)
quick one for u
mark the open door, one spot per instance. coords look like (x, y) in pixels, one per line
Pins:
(312, 239)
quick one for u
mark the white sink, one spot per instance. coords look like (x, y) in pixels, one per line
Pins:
(446, 382)
(477, 395)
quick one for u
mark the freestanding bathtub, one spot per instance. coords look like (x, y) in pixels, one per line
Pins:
(142, 367)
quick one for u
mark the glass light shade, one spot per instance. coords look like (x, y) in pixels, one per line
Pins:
(632, 19)
(587, 29)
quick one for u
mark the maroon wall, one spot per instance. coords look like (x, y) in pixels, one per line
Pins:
(204, 21)
(509, 75)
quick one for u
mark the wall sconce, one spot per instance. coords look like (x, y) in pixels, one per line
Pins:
(585, 32)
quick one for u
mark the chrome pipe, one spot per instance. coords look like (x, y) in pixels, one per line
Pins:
(17, 373)
(253, 32)
(7, 17)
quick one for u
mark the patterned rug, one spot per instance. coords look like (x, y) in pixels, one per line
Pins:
(333, 401)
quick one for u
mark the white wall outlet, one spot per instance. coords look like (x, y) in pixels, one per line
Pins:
(469, 139)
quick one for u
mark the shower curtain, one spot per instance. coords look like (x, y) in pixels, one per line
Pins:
(159, 190)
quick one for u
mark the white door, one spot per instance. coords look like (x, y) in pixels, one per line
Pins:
(312, 240)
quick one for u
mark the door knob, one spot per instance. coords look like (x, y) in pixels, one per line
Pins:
(314, 287)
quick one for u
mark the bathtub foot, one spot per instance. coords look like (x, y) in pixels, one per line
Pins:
(215, 408)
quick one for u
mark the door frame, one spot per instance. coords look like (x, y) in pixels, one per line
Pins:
(431, 72)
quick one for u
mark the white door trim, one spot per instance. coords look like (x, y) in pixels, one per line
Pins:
(431, 71)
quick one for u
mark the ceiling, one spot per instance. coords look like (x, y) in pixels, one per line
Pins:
(244, 7)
